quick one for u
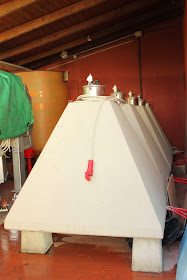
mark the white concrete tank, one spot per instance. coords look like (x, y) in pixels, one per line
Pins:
(150, 124)
(126, 194)
(147, 140)
(124, 178)
(153, 117)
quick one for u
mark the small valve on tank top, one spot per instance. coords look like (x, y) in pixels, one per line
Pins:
(115, 89)
(89, 79)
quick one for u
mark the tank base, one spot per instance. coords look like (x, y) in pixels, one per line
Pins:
(147, 255)
(35, 242)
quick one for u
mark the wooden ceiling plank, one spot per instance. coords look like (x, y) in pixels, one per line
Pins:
(13, 6)
(162, 17)
(52, 51)
(122, 11)
(139, 20)
(71, 44)
(9, 67)
(46, 19)
(47, 61)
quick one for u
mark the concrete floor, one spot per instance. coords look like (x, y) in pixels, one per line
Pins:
(78, 257)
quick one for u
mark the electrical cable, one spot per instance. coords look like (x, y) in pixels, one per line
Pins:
(101, 100)
(93, 129)
(140, 65)
(108, 43)
(163, 28)
(4, 147)
(100, 46)
(77, 77)
(73, 60)
(97, 98)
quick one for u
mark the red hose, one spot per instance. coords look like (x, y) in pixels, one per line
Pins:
(180, 211)
(180, 180)
(29, 164)
(180, 162)
(180, 155)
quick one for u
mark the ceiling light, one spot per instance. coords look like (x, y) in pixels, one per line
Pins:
(89, 38)
(64, 54)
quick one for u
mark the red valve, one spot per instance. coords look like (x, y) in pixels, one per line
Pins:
(29, 153)
(89, 171)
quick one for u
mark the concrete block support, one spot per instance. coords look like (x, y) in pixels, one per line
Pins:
(35, 242)
(18, 158)
(147, 255)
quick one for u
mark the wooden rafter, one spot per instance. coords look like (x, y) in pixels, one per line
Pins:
(13, 6)
(122, 11)
(71, 44)
(9, 67)
(153, 17)
(49, 18)
(52, 51)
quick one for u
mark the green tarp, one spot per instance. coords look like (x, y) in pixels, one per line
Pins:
(15, 108)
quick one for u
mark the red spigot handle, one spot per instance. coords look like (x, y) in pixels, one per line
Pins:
(89, 171)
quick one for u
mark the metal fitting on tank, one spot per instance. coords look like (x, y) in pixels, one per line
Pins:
(118, 94)
(93, 88)
(132, 99)
(141, 102)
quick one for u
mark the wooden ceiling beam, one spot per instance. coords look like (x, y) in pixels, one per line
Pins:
(143, 17)
(140, 24)
(52, 51)
(71, 44)
(96, 21)
(47, 61)
(46, 19)
(12, 68)
(13, 6)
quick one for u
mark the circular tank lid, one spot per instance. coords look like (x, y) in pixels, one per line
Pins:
(92, 85)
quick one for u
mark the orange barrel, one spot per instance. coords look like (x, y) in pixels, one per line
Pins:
(49, 99)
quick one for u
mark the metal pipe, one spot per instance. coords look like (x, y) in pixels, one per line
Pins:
(99, 51)
(140, 66)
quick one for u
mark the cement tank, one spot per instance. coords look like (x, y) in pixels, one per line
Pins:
(49, 99)
(111, 163)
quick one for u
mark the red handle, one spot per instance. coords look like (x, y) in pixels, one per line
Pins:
(89, 171)
(29, 165)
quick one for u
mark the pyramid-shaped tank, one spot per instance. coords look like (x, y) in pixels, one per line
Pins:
(126, 194)
(147, 140)
(125, 180)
